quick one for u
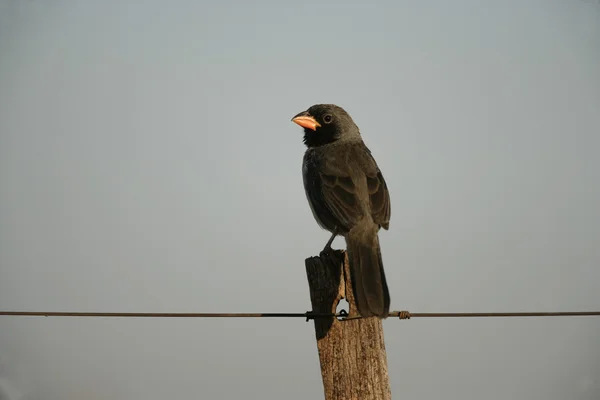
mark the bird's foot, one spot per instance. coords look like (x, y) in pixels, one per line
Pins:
(327, 249)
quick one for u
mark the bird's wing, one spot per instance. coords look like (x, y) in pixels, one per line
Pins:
(379, 195)
(340, 196)
(334, 194)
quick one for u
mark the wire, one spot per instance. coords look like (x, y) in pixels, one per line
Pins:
(408, 315)
(167, 315)
(307, 315)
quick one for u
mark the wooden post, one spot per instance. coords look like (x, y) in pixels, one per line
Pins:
(352, 352)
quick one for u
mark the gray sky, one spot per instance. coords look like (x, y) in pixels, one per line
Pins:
(148, 164)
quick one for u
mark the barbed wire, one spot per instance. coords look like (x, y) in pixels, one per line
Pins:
(342, 314)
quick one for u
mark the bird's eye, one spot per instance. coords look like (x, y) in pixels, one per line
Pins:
(327, 119)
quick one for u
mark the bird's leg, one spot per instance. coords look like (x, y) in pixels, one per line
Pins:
(328, 245)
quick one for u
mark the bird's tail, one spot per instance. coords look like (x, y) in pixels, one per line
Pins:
(366, 266)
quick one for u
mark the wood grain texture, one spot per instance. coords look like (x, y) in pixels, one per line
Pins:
(352, 352)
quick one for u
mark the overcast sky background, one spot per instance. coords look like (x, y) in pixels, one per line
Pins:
(148, 164)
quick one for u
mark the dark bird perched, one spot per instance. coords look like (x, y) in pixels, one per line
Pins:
(348, 196)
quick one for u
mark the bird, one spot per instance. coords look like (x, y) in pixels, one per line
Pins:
(348, 196)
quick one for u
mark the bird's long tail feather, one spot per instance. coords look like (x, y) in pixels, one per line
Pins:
(366, 267)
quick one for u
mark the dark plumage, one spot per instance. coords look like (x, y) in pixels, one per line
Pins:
(348, 196)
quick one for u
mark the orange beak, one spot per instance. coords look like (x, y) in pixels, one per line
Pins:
(306, 121)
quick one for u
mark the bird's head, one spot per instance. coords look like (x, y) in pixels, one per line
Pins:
(326, 123)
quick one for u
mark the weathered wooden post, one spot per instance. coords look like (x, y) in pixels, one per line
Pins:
(351, 352)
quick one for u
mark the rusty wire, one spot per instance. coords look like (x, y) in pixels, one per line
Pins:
(307, 315)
